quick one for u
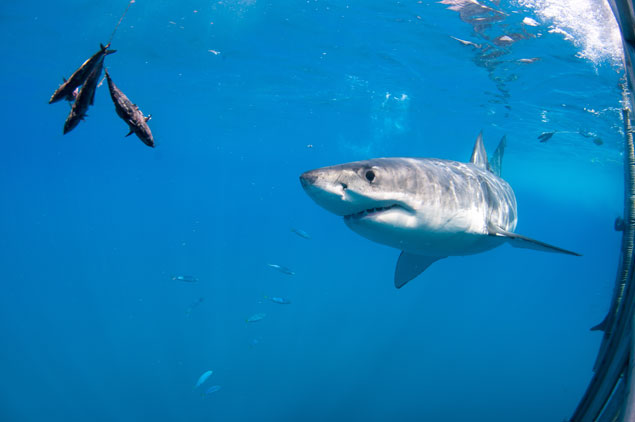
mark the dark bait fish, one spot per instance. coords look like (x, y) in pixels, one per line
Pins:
(130, 114)
(545, 136)
(80, 76)
(85, 98)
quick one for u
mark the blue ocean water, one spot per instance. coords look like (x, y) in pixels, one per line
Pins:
(245, 96)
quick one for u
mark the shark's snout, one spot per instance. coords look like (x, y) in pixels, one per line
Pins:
(308, 178)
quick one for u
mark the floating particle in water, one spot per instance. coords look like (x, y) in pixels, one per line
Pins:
(203, 378)
(185, 278)
(301, 233)
(282, 269)
(256, 317)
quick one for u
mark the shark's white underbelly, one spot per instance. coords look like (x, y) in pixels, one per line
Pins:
(430, 243)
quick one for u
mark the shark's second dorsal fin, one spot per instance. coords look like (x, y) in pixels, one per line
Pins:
(479, 156)
(496, 163)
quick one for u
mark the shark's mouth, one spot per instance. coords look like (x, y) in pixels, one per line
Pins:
(371, 211)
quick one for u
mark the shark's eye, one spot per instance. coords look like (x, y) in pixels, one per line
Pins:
(370, 175)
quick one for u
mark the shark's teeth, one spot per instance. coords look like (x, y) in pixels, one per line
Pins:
(370, 211)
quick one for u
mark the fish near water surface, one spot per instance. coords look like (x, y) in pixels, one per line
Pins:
(130, 114)
(428, 208)
(80, 76)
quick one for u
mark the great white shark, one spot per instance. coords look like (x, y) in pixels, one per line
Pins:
(426, 207)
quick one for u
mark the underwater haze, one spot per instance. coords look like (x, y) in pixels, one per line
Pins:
(129, 272)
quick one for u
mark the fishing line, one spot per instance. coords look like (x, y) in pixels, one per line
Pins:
(120, 19)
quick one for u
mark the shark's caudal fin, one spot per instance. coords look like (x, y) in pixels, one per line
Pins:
(409, 266)
(519, 241)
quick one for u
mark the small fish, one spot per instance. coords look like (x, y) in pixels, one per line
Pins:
(130, 114)
(85, 98)
(598, 141)
(545, 136)
(256, 317)
(212, 389)
(80, 76)
(185, 278)
(280, 300)
(301, 233)
(282, 269)
(203, 378)
(470, 43)
(531, 60)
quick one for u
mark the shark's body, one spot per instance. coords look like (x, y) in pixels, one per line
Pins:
(428, 208)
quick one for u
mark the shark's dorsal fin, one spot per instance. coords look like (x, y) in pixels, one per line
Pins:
(496, 163)
(479, 156)
(519, 241)
(409, 266)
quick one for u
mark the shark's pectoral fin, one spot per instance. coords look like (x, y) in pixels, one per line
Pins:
(519, 241)
(409, 266)
(130, 133)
